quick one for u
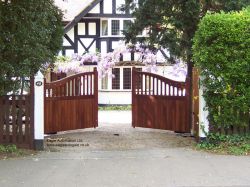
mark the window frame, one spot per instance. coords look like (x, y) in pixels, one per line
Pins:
(127, 80)
(107, 27)
(116, 82)
(119, 27)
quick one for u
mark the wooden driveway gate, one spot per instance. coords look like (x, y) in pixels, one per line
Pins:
(159, 103)
(72, 103)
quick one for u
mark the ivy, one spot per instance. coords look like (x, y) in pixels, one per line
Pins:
(221, 51)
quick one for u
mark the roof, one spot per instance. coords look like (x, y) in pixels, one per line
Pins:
(75, 10)
(71, 8)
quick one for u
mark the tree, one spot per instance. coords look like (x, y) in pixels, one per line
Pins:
(31, 35)
(173, 23)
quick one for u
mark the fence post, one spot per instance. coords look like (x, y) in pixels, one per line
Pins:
(203, 113)
(39, 111)
(133, 96)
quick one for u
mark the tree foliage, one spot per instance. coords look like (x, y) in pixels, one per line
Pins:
(172, 23)
(31, 35)
(222, 51)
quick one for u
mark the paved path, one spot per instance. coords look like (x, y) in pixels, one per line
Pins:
(111, 117)
(116, 155)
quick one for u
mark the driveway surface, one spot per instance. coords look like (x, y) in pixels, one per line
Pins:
(115, 154)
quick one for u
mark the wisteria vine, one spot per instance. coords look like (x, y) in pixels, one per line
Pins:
(105, 62)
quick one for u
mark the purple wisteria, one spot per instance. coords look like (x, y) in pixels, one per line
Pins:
(105, 62)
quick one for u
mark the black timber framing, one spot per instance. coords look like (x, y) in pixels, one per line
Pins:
(113, 6)
(77, 37)
(85, 13)
(71, 47)
(109, 15)
(71, 24)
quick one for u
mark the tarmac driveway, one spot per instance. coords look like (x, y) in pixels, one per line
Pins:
(115, 154)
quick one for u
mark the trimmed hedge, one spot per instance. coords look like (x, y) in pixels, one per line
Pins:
(221, 51)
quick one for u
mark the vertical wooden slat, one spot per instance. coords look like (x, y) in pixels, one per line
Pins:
(7, 114)
(87, 85)
(96, 97)
(79, 86)
(91, 85)
(14, 119)
(83, 86)
(19, 120)
(153, 85)
(27, 119)
(134, 83)
(141, 84)
(73, 87)
(2, 109)
(32, 111)
(161, 87)
(150, 86)
(68, 88)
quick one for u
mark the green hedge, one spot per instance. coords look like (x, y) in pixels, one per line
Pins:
(221, 51)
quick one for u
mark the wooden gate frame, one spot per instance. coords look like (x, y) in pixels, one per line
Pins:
(75, 98)
(162, 109)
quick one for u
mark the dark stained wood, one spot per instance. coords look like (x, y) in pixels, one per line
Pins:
(57, 76)
(160, 103)
(2, 118)
(14, 119)
(75, 106)
(15, 123)
(7, 118)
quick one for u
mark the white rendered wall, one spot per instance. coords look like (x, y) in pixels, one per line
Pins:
(96, 9)
(92, 28)
(81, 28)
(114, 97)
(107, 6)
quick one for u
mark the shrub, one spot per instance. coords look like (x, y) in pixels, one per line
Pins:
(221, 51)
(31, 35)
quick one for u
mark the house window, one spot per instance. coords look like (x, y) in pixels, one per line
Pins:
(115, 27)
(126, 24)
(126, 78)
(104, 27)
(105, 83)
(116, 79)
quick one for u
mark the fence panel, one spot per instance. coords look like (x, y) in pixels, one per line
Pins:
(15, 120)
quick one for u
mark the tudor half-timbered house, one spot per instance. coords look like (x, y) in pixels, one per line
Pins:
(97, 25)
